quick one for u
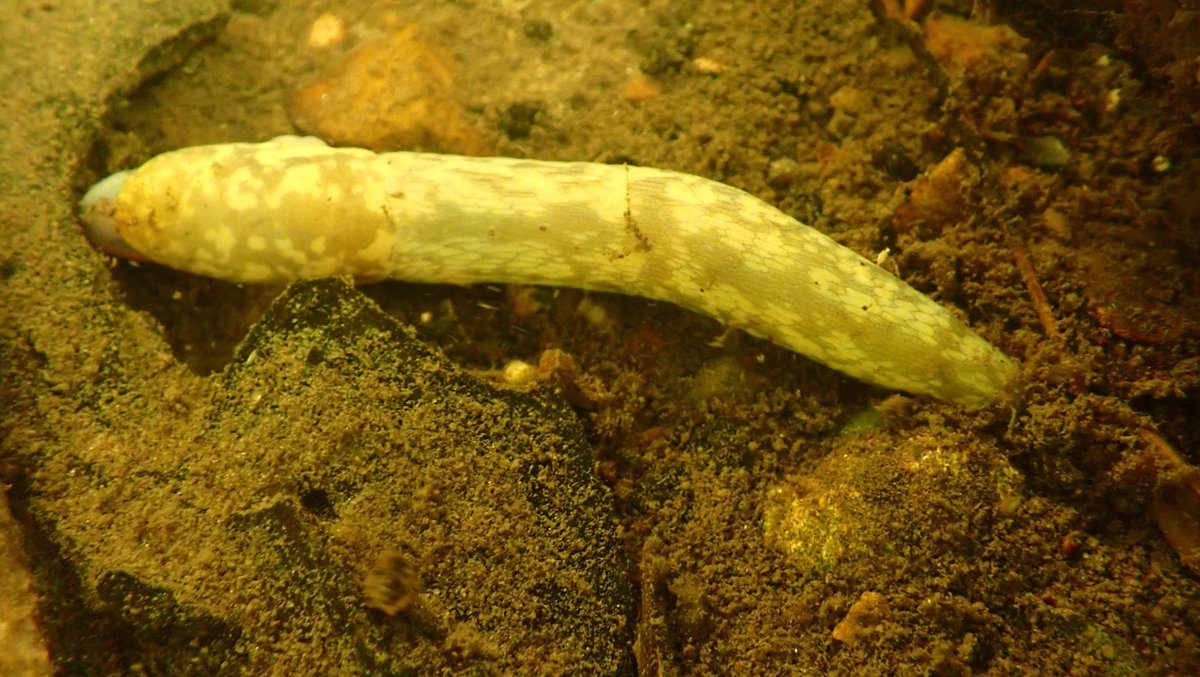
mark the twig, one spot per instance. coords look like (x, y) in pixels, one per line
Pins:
(1036, 293)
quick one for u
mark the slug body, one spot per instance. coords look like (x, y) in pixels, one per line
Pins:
(295, 208)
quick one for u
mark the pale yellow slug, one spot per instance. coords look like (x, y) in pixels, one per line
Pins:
(295, 208)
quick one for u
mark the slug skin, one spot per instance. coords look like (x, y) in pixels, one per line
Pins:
(295, 208)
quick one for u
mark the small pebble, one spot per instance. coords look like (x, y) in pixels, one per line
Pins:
(518, 373)
(847, 99)
(783, 172)
(641, 89)
(326, 31)
(707, 66)
(1046, 151)
(396, 93)
(1057, 224)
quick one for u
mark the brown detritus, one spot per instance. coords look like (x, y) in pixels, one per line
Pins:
(1176, 511)
(895, 409)
(939, 197)
(1160, 463)
(1061, 22)
(651, 640)
(1056, 224)
(693, 612)
(646, 346)
(892, 9)
(524, 300)
(1129, 311)
(915, 10)
(1159, 33)
(1037, 295)
(1071, 545)
(826, 152)
(1139, 322)
(396, 93)
(911, 34)
(722, 378)
(908, 10)
(559, 369)
(988, 57)
(1166, 35)
(393, 584)
(870, 610)
(1175, 502)
(1024, 186)
(1043, 68)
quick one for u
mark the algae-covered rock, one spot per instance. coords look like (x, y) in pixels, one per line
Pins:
(333, 438)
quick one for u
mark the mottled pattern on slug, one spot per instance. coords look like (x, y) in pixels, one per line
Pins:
(295, 208)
